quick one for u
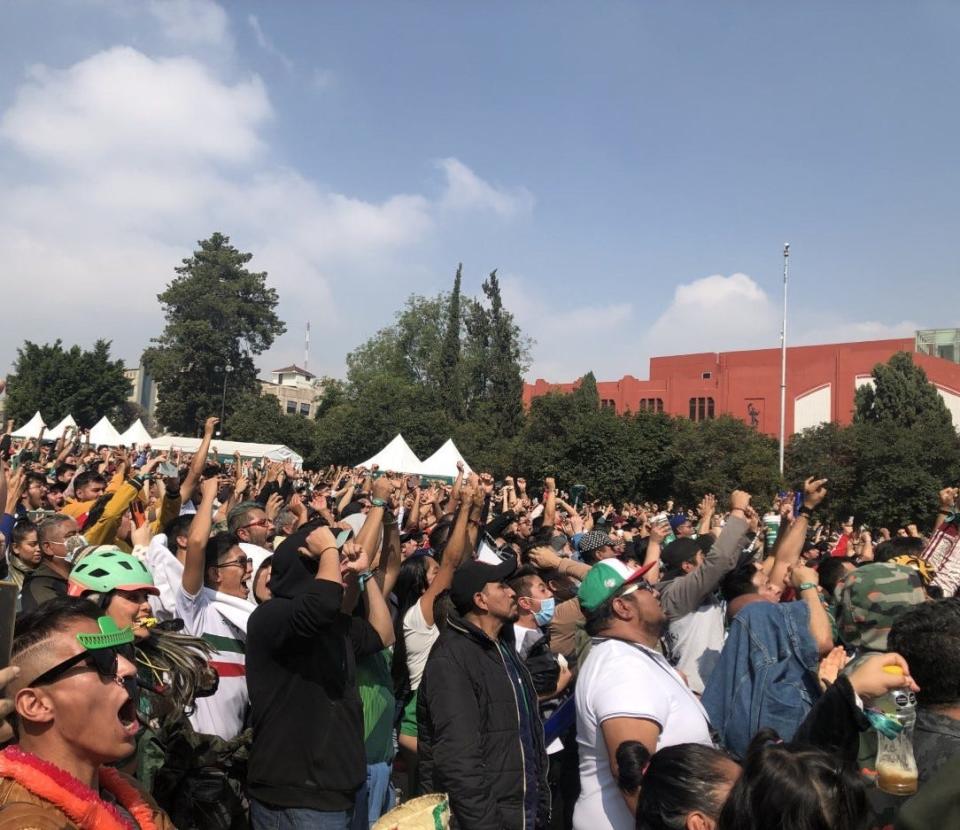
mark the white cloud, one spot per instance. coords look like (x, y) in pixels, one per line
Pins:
(115, 166)
(196, 22)
(714, 313)
(465, 190)
(122, 105)
(267, 44)
(570, 339)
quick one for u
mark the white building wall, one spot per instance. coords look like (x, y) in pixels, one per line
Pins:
(812, 408)
(952, 400)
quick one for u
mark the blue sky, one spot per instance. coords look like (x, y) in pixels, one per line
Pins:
(632, 169)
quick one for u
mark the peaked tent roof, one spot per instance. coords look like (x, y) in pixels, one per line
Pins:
(135, 434)
(444, 462)
(396, 457)
(31, 429)
(104, 433)
(57, 432)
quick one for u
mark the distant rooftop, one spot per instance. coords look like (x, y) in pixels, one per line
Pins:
(294, 369)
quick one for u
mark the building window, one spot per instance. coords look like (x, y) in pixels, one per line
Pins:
(706, 375)
(304, 409)
(291, 407)
(606, 403)
(651, 405)
(701, 409)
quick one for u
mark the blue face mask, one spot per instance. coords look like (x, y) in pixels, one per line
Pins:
(545, 614)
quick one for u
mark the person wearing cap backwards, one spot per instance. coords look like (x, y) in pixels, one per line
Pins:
(681, 526)
(626, 690)
(692, 571)
(75, 712)
(480, 733)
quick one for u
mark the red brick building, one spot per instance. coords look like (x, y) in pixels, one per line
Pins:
(821, 381)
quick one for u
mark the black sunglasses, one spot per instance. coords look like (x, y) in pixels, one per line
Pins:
(104, 660)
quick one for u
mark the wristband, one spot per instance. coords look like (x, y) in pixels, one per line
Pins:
(363, 578)
(805, 586)
(378, 502)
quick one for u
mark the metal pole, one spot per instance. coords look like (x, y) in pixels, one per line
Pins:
(783, 355)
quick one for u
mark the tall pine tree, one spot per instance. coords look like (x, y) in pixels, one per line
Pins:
(451, 386)
(505, 380)
(219, 315)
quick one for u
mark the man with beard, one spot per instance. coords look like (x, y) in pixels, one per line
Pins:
(480, 734)
(626, 690)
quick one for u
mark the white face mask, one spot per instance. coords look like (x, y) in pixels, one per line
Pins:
(73, 545)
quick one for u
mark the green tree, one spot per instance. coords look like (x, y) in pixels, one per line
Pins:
(218, 315)
(901, 394)
(506, 364)
(827, 451)
(58, 382)
(719, 455)
(259, 418)
(451, 382)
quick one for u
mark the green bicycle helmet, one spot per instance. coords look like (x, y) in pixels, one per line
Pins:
(109, 569)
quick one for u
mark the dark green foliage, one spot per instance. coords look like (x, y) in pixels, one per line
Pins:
(260, 419)
(58, 382)
(218, 314)
(888, 466)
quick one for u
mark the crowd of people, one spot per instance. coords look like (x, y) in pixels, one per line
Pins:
(208, 642)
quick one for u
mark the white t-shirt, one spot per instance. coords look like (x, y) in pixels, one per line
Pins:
(624, 680)
(222, 713)
(696, 640)
(419, 639)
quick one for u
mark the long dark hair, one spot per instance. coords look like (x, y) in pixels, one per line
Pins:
(794, 788)
(676, 781)
(410, 586)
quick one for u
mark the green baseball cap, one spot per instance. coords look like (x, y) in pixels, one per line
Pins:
(604, 580)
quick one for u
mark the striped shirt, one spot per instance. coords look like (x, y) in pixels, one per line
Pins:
(224, 712)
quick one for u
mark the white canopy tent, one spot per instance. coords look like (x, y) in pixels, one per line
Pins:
(396, 457)
(104, 433)
(247, 449)
(31, 429)
(443, 463)
(56, 433)
(135, 435)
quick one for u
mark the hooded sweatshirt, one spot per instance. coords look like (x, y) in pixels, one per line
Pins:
(307, 717)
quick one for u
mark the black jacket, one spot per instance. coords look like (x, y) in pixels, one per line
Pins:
(469, 731)
(40, 586)
(301, 675)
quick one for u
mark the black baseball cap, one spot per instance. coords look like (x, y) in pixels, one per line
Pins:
(470, 578)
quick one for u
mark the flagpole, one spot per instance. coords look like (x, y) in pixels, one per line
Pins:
(783, 355)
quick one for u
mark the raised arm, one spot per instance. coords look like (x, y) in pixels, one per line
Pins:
(791, 545)
(199, 460)
(193, 566)
(708, 506)
(452, 554)
(549, 502)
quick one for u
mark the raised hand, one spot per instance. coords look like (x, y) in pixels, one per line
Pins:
(814, 492)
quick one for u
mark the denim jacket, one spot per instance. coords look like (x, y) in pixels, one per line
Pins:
(766, 676)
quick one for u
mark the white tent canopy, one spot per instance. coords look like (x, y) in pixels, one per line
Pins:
(104, 433)
(443, 463)
(247, 449)
(396, 457)
(56, 433)
(135, 435)
(31, 429)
